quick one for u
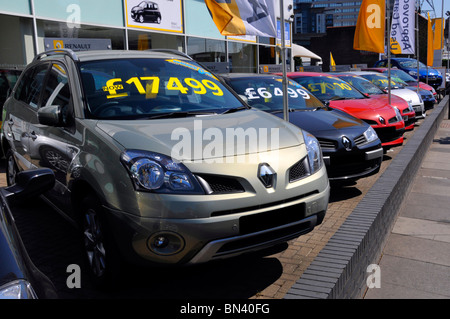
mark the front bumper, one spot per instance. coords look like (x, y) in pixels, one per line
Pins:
(199, 228)
(353, 165)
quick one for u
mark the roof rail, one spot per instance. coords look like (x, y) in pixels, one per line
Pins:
(171, 51)
(67, 52)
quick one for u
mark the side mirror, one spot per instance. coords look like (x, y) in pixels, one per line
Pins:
(50, 115)
(31, 183)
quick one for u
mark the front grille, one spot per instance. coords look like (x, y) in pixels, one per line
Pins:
(222, 185)
(388, 134)
(371, 122)
(327, 144)
(360, 140)
(298, 170)
(262, 206)
(393, 120)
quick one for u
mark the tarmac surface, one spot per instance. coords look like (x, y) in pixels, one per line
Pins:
(415, 261)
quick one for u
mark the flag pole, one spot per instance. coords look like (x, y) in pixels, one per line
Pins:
(388, 11)
(417, 46)
(283, 59)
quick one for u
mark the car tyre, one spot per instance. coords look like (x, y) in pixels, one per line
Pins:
(141, 18)
(100, 253)
(11, 168)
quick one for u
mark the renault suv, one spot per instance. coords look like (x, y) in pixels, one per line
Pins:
(157, 161)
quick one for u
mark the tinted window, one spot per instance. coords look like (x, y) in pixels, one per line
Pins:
(362, 85)
(57, 87)
(328, 88)
(381, 81)
(30, 87)
(267, 94)
(139, 88)
(57, 92)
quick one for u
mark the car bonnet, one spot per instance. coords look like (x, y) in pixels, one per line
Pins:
(225, 131)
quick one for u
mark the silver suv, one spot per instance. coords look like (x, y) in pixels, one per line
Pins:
(157, 161)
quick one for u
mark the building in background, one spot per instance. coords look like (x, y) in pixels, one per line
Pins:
(28, 27)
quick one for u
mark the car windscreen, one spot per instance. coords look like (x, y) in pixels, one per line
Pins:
(151, 87)
(381, 81)
(266, 94)
(402, 75)
(361, 84)
(411, 64)
(327, 88)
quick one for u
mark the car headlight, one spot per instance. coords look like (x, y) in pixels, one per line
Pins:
(153, 172)
(410, 108)
(17, 289)
(370, 135)
(398, 114)
(315, 159)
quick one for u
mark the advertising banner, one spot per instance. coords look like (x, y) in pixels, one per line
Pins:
(159, 15)
(370, 27)
(253, 17)
(402, 27)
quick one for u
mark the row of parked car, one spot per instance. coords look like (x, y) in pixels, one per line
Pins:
(160, 162)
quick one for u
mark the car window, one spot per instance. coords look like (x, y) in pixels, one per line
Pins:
(30, 87)
(381, 81)
(135, 88)
(411, 64)
(329, 88)
(57, 91)
(401, 75)
(362, 85)
(267, 94)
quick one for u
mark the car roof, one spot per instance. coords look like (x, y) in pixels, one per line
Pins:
(113, 54)
(306, 74)
(365, 72)
(248, 75)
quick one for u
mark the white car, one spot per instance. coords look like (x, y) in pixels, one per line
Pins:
(411, 96)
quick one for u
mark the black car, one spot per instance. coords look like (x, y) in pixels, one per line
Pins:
(351, 149)
(146, 11)
(19, 277)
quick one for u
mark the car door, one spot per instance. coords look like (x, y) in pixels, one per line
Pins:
(21, 111)
(50, 146)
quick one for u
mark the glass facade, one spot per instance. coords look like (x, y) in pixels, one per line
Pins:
(28, 27)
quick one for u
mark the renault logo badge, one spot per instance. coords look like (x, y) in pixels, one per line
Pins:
(266, 175)
(347, 143)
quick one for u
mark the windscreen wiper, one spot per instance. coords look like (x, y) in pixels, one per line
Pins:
(179, 114)
(235, 109)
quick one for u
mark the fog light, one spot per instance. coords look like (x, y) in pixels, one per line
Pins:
(161, 242)
(166, 243)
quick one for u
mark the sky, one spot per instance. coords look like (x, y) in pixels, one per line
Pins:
(437, 7)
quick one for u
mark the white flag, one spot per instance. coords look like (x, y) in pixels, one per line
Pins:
(250, 17)
(402, 27)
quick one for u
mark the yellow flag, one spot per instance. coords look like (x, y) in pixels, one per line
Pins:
(370, 27)
(430, 48)
(332, 63)
(437, 37)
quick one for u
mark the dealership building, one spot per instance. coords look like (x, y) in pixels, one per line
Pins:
(28, 27)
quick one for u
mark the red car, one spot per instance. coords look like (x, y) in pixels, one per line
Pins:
(336, 93)
(405, 77)
(366, 87)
